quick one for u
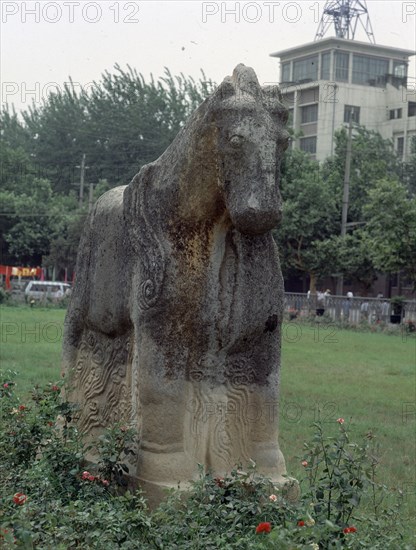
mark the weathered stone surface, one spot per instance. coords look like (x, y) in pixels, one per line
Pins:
(174, 322)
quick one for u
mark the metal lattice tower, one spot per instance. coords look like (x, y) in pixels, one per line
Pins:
(345, 14)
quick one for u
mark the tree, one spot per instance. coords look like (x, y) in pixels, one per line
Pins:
(309, 218)
(391, 228)
(351, 258)
(372, 158)
(408, 176)
(64, 244)
(35, 216)
(122, 123)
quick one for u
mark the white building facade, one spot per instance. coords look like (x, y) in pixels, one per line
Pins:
(327, 81)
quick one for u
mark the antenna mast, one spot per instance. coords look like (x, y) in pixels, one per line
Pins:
(345, 14)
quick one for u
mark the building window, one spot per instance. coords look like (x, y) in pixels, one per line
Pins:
(286, 72)
(411, 110)
(309, 113)
(400, 69)
(305, 69)
(395, 113)
(341, 66)
(325, 65)
(354, 110)
(400, 146)
(369, 70)
(308, 144)
(290, 118)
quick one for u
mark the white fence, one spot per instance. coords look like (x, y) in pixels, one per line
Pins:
(350, 310)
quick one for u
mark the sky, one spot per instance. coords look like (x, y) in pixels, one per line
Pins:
(43, 43)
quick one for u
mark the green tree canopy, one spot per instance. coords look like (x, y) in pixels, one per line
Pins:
(309, 217)
(391, 228)
(121, 123)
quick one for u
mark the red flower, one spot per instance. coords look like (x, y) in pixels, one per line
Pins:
(22, 407)
(5, 385)
(19, 498)
(219, 481)
(264, 527)
(87, 475)
(301, 523)
(340, 421)
(55, 388)
(304, 463)
(351, 529)
(105, 482)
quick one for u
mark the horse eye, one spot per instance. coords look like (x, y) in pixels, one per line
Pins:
(236, 140)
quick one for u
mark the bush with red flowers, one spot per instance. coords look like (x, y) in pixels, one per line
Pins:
(301, 523)
(19, 498)
(52, 498)
(263, 527)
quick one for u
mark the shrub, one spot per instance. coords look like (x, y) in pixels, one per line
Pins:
(51, 497)
(4, 296)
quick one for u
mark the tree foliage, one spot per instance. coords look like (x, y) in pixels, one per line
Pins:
(391, 228)
(125, 121)
(309, 217)
(309, 238)
(120, 124)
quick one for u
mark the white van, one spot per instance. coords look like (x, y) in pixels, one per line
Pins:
(47, 290)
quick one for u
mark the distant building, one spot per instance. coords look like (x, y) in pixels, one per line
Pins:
(327, 81)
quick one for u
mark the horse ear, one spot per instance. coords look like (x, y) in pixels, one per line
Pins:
(272, 93)
(273, 102)
(246, 81)
(225, 89)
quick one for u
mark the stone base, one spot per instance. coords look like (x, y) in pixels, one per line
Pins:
(155, 493)
(289, 488)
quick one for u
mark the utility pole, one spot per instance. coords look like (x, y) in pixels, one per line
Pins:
(345, 198)
(91, 197)
(82, 179)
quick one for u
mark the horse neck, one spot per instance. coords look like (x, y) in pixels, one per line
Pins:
(190, 166)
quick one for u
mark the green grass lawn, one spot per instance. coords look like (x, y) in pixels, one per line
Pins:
(368, 379)
(31, 341)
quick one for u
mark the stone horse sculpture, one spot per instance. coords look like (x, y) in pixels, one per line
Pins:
(174, 321)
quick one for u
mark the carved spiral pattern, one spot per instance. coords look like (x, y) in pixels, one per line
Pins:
(148, 295)
(146, 242)
(219, 426)
(101, 380)
(236, 370)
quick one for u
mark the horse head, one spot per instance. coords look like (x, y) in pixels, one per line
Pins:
(251, 140)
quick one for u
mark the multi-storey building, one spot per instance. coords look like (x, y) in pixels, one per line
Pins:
(327, 81)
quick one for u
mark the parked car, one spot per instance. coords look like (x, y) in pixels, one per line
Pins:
(47, 290)
(17, 287)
